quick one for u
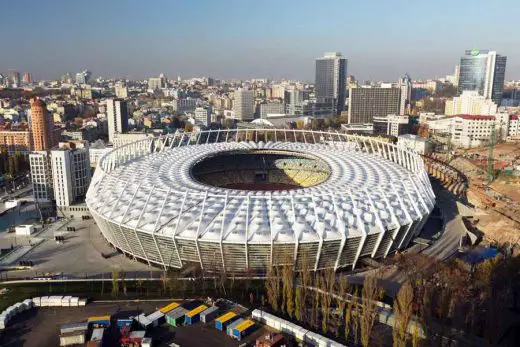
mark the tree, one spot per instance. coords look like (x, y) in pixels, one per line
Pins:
(288, 286)
(352, 303)
(12, 169)
(368, 310)
(327, 290)
(271, 288)
(341, 301)
(403, 310)
(115, 282)
(298, 303)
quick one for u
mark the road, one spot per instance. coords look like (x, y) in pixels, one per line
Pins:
(442, 249)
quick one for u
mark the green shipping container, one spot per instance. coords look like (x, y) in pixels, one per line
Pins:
(176, 316)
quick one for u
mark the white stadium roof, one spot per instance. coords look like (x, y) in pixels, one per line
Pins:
(372, 187)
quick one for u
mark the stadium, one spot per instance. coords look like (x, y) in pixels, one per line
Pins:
(243, 200)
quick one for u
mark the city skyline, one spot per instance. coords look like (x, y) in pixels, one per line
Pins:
(227, 41)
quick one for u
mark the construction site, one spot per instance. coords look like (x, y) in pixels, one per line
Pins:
(489, 178)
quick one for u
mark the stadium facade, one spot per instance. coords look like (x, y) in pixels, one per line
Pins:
(243, 200)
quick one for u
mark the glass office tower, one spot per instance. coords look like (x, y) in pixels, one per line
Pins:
(330, 86)
(483, 71)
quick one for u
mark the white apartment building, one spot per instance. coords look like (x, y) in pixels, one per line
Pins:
(244, 104)
(121, 90)
(41, 176)
(471, 103)
(514, 128)
(202, 115)
(71, 174)
(117, 117)
(472, 131)
(271, 108)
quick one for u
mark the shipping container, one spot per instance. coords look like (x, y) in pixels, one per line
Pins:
(243, 329)
(122, 322)
(143, 321)
(157, 318)
(176, 317)
(147, 342)
(68, 328)
(72, 338)
(208, 315)
(194, 315)
(230, 327)
(223, 321)
(99, 321)
(96, 339)
(169, 307)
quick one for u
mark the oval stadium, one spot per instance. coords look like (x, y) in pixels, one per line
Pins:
(243, 200)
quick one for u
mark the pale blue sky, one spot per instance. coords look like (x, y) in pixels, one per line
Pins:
(241, 39)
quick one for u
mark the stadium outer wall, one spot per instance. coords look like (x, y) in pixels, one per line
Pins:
(239, 257)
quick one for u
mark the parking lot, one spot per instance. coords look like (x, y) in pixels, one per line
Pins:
(39, 327)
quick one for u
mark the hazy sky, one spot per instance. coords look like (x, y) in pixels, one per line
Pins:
(242, 38)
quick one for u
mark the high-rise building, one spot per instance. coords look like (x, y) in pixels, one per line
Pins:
(42, 126)
(83, 77)
(117, 117)
(244, 105)
(183, 105)
(330, 83)
(70, 173)
(155, 83)
(27, 78)
(471, 103)
(14, 76)
(41, 176)
(365, 103)
(294, 100)
(121, 90)
(405, 84)
(483, 71)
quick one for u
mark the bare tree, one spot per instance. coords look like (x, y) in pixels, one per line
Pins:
(288, 286)
(351, 305)
(368, 310)
(306, 281)
(271, 288)
(327, 290)
(340, 302)
(115, 282)
(403, 310)
(298, 309)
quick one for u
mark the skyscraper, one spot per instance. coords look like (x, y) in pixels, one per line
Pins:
(14, 76)
(330, 83)
(244, 104)
(405, 84)
(27, 78)
(117, 117)
(83, 77)
(483, 71)
(42, 126)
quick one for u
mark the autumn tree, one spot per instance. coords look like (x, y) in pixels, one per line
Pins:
(369, 296)
(351, 305)
(403, 311)
(115, 282)
(298, 304)
(288, 286)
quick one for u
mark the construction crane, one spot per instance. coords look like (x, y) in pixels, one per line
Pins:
(490, 160)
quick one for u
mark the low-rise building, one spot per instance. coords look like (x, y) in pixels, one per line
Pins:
(16, 141)
(392, 124)
(415, 143)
